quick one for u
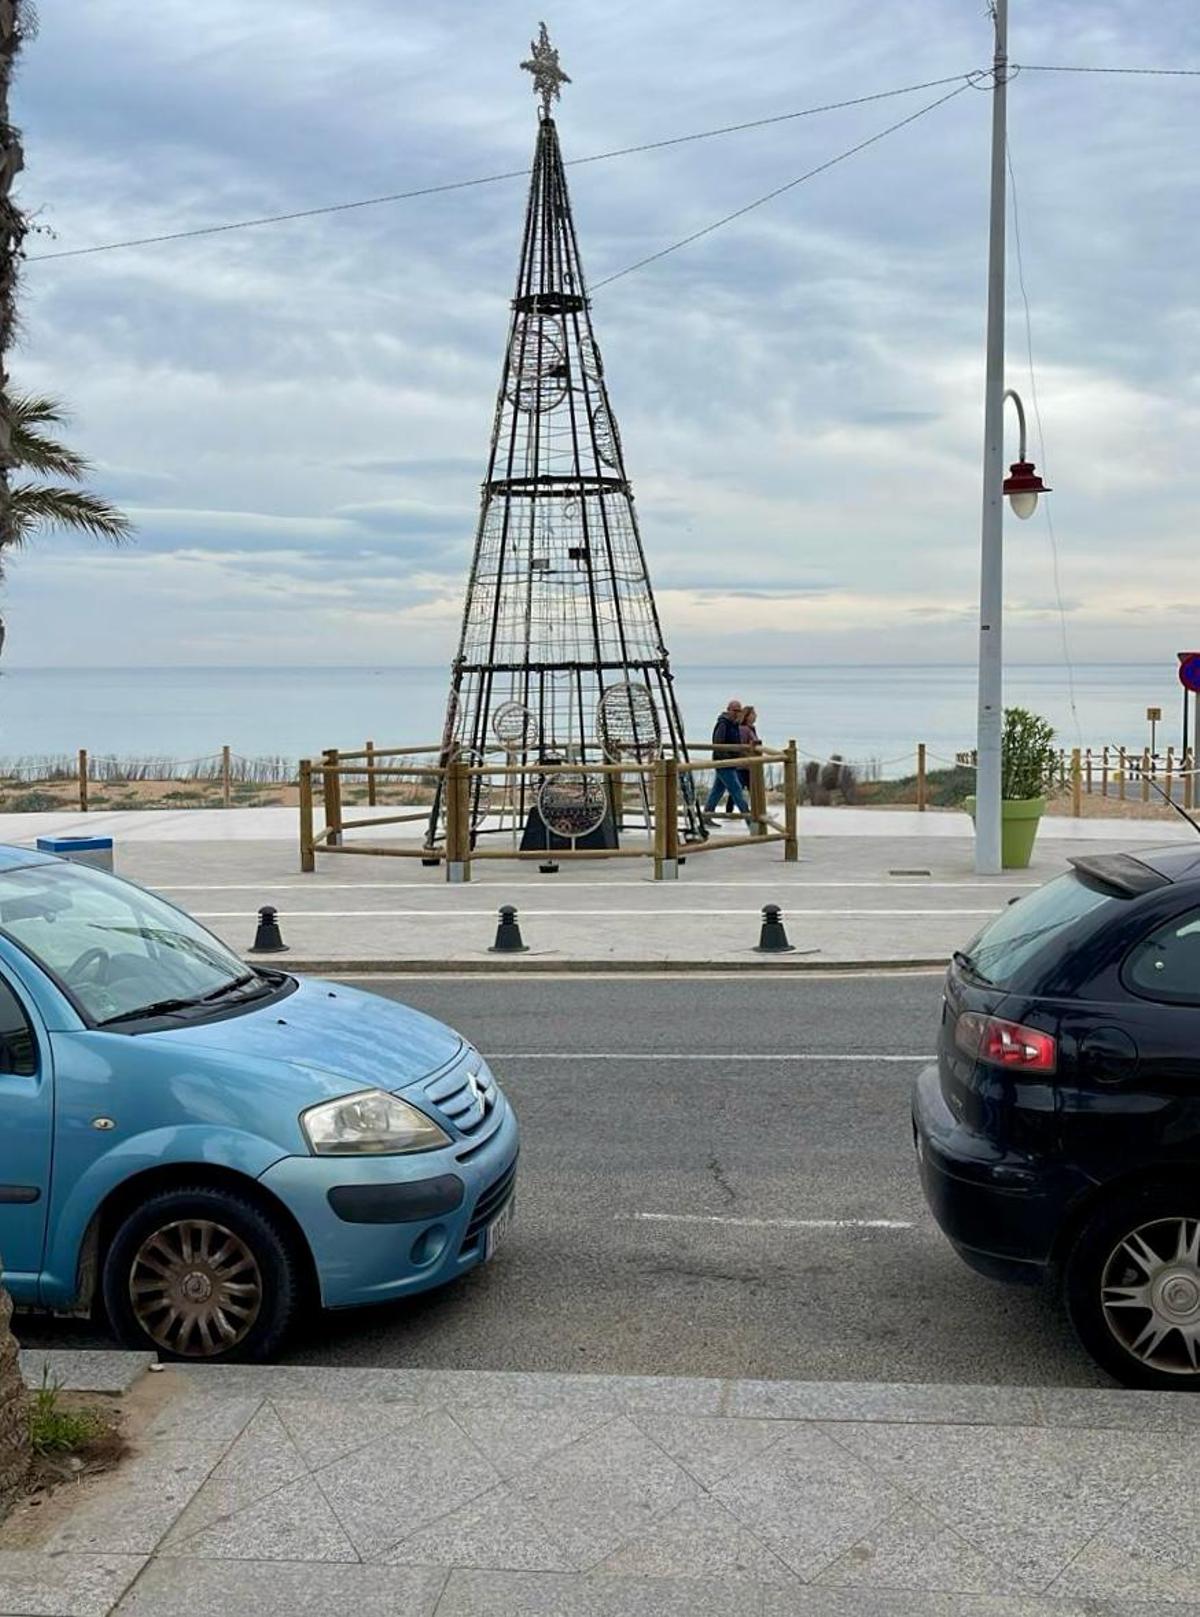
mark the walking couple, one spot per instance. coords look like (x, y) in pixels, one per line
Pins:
(734, 735)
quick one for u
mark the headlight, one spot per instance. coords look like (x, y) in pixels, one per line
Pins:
(372, 1124)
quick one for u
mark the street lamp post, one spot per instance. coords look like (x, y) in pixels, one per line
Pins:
(1021, 487)
(991, 574)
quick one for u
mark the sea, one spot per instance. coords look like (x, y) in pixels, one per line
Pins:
(874, 714)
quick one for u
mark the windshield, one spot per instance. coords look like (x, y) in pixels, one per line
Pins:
(1021, 930)
(117, 949)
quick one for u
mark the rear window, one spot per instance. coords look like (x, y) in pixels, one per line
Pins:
(1023, 929)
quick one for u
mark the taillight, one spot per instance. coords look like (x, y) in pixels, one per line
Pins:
(1005, 1044)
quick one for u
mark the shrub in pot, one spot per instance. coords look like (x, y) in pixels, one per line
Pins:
(1027, 770)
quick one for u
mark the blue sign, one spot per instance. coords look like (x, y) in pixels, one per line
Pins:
(1189, 670)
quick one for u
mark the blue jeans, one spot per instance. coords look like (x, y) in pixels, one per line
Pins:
(727, 781)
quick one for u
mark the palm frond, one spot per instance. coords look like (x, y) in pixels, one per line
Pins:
(35, 410)
(31, 506)
(33, 451)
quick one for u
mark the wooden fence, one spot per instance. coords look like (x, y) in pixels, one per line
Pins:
(659, 782)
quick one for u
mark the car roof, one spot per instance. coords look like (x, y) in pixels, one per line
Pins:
(1178, 861)
(12, 858)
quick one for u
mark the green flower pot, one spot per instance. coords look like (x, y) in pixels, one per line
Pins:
(1019, 818)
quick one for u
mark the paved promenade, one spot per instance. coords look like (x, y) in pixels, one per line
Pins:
(288, 1492)
(871, 888)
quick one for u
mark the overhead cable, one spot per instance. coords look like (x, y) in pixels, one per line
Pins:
(967, 82)
(487, 179)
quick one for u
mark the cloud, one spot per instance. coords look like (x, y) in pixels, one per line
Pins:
(297, 416)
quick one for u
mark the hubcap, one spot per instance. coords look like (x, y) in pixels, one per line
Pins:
(195, 1288)
(1150, 1290)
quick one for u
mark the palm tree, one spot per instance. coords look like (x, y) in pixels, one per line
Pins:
(34, 506)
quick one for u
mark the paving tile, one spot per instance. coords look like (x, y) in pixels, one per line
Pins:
(294, 1524)
(807, 1499)
(79, 1371)
(1028, 1498)
(259, 1463)
(550, 1594)
(128, 1511)
(36, 1584)
(170, 1588)
(818, 1600)
(313, 1381)
(325, 1429)
(514, 1438)
(710, 1446)
(203, 1416)
(913, 1550)
(600, 1492)
(495, 1530)
(698, 1539)
(389, 1490)
(866, 1401)
(1150, 1550)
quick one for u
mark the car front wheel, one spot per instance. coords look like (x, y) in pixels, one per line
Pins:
(199, 1273)
(1133, 1289)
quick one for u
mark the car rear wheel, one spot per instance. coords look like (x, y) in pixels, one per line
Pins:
(201, 1274)
(1133, 1289)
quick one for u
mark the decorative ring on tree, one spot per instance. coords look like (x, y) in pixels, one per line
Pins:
(627, 721)
(572, 804)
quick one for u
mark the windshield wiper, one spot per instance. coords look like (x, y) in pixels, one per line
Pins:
(160, 1007)
(969, 963)
(228, 988)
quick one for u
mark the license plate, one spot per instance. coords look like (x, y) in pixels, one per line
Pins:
(498, 1229)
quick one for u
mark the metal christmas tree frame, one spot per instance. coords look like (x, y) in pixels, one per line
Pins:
(561, 657)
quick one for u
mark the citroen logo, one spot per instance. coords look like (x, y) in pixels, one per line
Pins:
(478, 1093)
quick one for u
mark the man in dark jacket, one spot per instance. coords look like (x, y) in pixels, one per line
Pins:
(727, 743)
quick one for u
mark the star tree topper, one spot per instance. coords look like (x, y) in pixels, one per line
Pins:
(543, 64)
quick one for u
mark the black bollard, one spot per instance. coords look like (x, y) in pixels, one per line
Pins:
(549, 867)
(772, 939)
(267, 937)
(508, 933)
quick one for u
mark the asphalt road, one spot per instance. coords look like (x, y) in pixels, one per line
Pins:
(684, 1140)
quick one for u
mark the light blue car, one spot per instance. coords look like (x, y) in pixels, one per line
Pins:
(204, 1150)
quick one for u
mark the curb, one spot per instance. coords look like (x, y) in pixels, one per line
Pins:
(84, 1369)
(544, 963)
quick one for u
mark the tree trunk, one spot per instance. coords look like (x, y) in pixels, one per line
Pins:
(12, 236)
(14, 1427)
(14, 1433)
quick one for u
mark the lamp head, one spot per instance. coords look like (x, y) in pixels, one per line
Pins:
(1022, 487)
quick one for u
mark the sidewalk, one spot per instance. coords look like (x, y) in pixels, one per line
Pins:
(871, 889)
(293, 1492)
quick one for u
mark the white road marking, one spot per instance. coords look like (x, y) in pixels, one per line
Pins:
(688, 1055)
(546, 884)
(766, 1223)
(789, 913)
(830, 973)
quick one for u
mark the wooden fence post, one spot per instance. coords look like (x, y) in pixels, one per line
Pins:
(1076, 783)
(1104, 775)
(660, 818)
(791, 786)
(83, 780)
(370, 774)
(1189, 782)
(458, 821)
(1122, 771)
(226, 778)
(922, 785)
(1170, 772)
(1145, 774)
(1087, 767)
(332, 793)
(758, 798)
(308, 860)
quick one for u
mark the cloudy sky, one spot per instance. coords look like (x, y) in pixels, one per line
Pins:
(296, 416)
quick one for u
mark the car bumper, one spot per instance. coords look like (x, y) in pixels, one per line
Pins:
(388, 1227)
(1000, 1210)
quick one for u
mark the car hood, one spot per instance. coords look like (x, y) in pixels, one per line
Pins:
(361, 1038)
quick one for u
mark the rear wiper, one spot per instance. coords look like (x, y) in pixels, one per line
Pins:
(969, 963)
